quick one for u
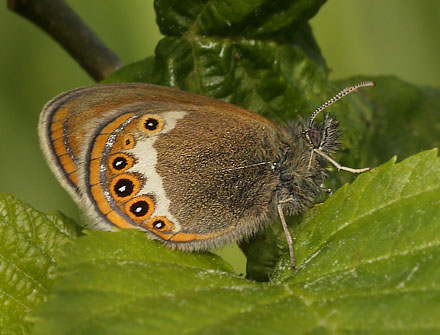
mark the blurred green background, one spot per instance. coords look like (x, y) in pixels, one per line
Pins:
(373, 37)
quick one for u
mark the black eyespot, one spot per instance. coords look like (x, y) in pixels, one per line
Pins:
(139, 208)
(151, 123)
(123, 187)
(159, 224)
(119, 163)
(127, 141)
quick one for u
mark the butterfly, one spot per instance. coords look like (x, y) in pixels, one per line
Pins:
(192, 172)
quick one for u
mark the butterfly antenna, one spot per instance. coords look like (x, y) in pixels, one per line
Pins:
(338, 96)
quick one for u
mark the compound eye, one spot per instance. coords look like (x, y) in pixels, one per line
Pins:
(314, 137)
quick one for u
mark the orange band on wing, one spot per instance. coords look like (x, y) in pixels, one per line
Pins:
(101, 139)
(68, 165)
(94, 172)
(100, 199)
(111, 127)
(114, 218)
(56, 130)
(185, 237)
(60, 114)
(104, 207)
(97, 191)
(59, 147)
(167, 234)
(57, 137)
(74, 177)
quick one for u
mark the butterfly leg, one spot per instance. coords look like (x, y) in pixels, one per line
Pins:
(286, 232)
(310, 161)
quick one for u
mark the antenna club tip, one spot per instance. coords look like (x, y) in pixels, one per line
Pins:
(366, 83)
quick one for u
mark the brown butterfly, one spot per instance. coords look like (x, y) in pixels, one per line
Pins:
(193, 172)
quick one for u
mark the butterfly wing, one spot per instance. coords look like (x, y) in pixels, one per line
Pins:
(193, 171)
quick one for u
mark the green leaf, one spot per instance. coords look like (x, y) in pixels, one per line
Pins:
(368, 263)
(390, 211)
(29, 241)
(258, 18)
(112, 277)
